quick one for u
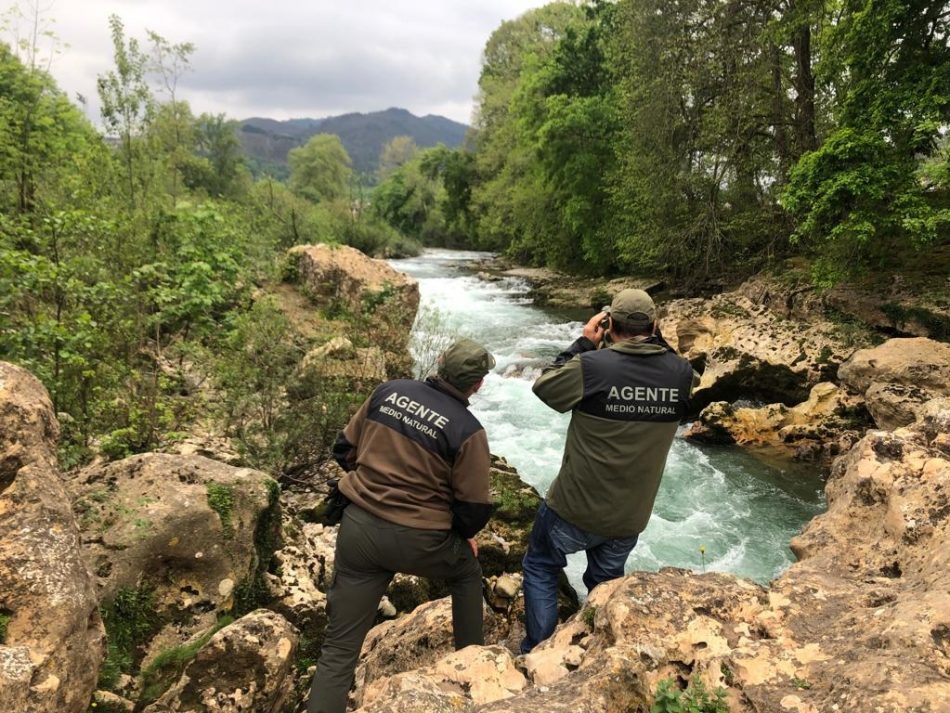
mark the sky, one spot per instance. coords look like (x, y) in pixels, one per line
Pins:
(291, 58)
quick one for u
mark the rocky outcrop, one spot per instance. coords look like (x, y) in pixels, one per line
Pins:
(184, 532)
(473, 676)
(749, 346)
(897, 377)
(340, 277)
(825, 425)
(51, 635)
(246, 666)
(893, 310)
(415, 640)
(861, 622)
(301, 576)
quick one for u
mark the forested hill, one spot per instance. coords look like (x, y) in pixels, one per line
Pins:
(267, 141)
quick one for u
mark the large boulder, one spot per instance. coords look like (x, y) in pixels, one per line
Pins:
(340, 277)
(897, 377)
(245, 667)
(475, 675)
(51, 635)
(417, 639)
(185, 537)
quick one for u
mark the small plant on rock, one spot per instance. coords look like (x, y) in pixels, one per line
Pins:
(695, 699)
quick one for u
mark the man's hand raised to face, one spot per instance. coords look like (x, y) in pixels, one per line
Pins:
(593, 329)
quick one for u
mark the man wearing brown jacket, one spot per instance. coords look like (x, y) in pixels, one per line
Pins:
(418, 486)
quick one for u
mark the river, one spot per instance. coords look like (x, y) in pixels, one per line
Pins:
(717, 509)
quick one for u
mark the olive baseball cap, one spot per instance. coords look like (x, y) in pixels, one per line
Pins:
(633, 307)
(464, 363)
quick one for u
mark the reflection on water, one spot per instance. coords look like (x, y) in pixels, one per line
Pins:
(742, 510)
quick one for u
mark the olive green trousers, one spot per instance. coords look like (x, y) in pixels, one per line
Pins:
(369, 551)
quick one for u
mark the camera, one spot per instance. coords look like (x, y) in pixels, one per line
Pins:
(605, 322)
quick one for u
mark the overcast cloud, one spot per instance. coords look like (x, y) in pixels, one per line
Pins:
(285, 58)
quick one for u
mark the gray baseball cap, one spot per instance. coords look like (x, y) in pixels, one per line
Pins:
(633, 307)
(464, 363)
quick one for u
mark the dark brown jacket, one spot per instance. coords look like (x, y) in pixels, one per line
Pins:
(417, 457)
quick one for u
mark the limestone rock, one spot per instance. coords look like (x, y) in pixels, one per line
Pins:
(893, 310)
(247, 666)
(478, 674)
(826, 417)
(184, 528)
(343, 276)
(54, 640)
(112, 703)
(749, 344)
(898, 376)
(304, 567)
(894, 405)
(416, 693)
(609, 682)
(913, 362)
(507, 586)
(415, 640)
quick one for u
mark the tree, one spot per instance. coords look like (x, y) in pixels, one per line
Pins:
(216, 142)
(170, 61)
(127, 101)
(861, 197)
(39, 129)
(507, 198)
(455, 168)
(396, 152)
(320, 169)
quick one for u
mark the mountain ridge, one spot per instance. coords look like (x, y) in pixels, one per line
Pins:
(268, 141)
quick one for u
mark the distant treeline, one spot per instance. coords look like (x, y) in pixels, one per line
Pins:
(697, 137)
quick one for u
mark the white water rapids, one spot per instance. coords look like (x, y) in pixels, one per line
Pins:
(742, 511)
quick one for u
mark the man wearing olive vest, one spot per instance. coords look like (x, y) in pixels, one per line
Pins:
(627, 400)
(417, 479)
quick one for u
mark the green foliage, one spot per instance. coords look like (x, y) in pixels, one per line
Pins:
(426, 198)
(320, 169)
(127, 106)
(221, 500)
(5, 618)
(695, 138)
(130, 620)
(859, 202)
(695, 699)
(37, 126)
(800, 683)
(589, 615)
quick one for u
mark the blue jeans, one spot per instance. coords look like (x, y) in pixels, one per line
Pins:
(552, 539)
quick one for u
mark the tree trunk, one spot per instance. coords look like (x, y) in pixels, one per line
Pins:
(805, 90)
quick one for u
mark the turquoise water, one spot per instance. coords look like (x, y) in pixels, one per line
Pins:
(742, 510)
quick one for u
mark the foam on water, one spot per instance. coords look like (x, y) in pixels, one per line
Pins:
(741, 510)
